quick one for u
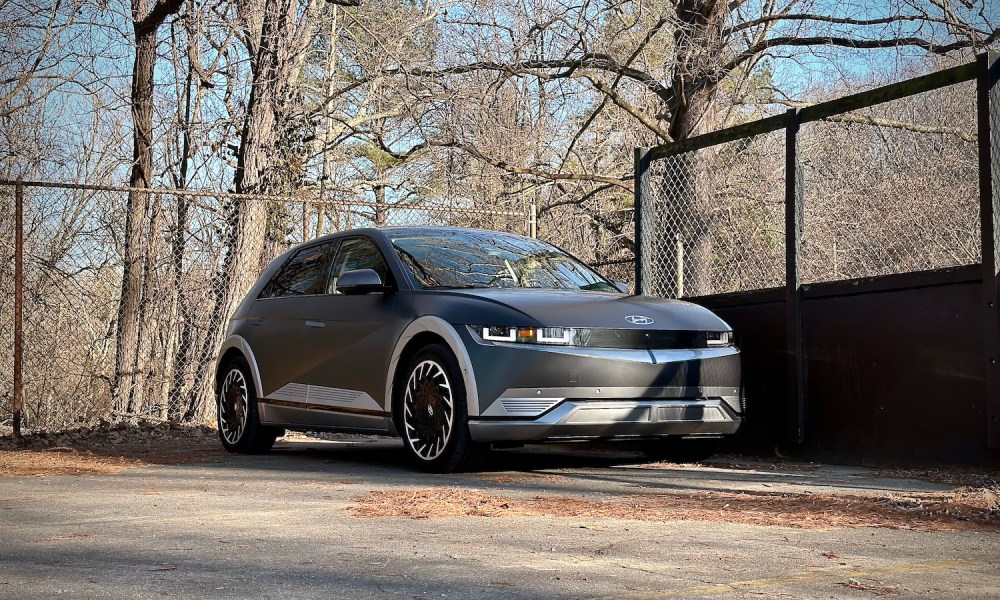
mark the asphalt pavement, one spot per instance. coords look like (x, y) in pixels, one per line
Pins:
(286, 525)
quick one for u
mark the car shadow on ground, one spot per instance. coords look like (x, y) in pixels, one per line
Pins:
(570, 468)
(389, 453)
(380, 461)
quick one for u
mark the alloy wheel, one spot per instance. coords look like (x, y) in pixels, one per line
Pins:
(428, 410)
(233, 406)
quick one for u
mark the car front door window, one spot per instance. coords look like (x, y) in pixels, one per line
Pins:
(357, 253)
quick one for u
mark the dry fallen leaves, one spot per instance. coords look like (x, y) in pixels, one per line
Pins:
(875, 588)
(27, 463)
(105, 449)
(943, 511)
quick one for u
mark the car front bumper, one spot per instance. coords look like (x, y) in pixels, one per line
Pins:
(534, 393)
(606, 419)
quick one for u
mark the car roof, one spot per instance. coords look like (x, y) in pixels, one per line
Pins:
(421, 231)
(437, 230)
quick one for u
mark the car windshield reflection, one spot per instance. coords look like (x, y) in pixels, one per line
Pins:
(480, 259)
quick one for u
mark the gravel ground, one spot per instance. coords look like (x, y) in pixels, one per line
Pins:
(173, 516)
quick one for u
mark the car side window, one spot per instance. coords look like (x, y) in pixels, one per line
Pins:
(357, 253)
(303, 275)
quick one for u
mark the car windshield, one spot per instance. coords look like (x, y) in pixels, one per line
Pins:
(485, 259)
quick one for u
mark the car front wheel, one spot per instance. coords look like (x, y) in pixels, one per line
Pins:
(432, 412)
(239, 423)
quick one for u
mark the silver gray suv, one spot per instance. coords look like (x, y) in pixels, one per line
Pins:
(459, 339)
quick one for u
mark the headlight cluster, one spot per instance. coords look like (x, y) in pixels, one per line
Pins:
(714, 339)
(559, 336)
(603, 338)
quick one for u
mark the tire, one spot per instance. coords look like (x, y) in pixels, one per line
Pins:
(236, 412)
(432, 413)
(679, 450)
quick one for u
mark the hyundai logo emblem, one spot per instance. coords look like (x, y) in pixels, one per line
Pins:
(639, 320)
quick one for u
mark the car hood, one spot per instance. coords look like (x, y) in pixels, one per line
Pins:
(606, 310)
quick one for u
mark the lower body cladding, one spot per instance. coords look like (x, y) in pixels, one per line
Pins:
(535, 393)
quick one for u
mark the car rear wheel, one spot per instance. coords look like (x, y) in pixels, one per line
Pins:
(239, 422)
(432, 412)
(679, 450)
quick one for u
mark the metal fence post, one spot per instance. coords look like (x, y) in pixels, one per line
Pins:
(305, 220)
(793, 281)
(641, 165)
(18, 407)
(680, 266)
(988, 112)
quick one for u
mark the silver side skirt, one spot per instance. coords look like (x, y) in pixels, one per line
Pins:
(301, 405)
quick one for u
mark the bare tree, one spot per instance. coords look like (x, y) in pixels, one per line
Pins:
(673, 70)
(146, 24)
(286, 29)
(36, 35)
(473, 104)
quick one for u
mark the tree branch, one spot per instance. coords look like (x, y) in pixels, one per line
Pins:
(862, 44)
(160, 11)
(615, 97)
(828, 19)
(591, 60)
(624, 182)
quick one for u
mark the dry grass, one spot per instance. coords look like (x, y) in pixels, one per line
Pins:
(952, 475)
(878, 589)
(519, 477)
(761, 465)
(60, 461)
(105, 450)
(961, 510)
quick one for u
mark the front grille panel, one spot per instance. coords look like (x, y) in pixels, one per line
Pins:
(642, 339)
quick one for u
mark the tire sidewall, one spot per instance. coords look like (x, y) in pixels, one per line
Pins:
(252, 438)
(460, 452)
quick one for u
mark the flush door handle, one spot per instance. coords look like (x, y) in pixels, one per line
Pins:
(315, 324)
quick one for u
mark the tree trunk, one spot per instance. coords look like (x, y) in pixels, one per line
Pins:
(331, 82)
(381, 209)
(686, 216)
(149, 318)
(248, 218)
(126, 355)
(179, 354)
(125, 383)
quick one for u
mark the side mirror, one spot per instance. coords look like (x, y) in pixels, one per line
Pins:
(360, 281)
(622, 286)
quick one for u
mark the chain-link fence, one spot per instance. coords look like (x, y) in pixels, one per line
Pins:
(882, 182)
(600, 235)
(714, 219)
(200, 253)
(891, 188)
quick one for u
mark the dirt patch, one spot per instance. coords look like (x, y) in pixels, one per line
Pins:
(961, 510)
(963, 476)
(519, 477)
(106, 449)
(27, 463)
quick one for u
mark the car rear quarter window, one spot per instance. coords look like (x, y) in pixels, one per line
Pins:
(303, 275)
(357, 253)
